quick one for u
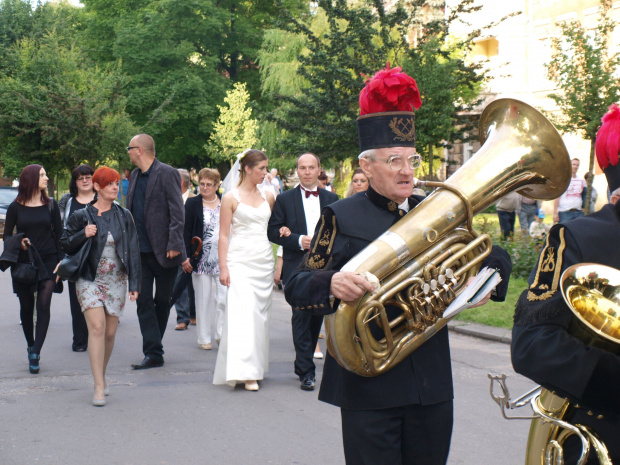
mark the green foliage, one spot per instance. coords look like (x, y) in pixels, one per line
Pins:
(53, 106)
(583, 68)
(344, 42)
(180, 57)
(235, 130)
(498, 314)
(523, 250)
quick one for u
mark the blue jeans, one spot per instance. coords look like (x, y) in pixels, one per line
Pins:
(527, 215)
(569, 215)
(506, 222)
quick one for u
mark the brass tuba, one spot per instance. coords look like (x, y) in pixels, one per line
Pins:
(592, 292)
(424, 261)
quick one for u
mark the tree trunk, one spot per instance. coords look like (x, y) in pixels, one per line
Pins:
(431, 173)
(586, 207)
(51, 185)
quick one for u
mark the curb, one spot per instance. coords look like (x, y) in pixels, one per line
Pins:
(481, 331)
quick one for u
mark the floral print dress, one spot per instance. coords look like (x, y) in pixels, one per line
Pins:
(109, 289)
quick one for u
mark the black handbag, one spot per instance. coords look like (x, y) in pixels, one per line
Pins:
(25, 272)
(70, 267)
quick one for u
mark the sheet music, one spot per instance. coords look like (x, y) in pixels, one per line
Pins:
(483, 284)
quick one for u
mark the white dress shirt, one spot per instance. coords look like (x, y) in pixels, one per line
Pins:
(312, 211)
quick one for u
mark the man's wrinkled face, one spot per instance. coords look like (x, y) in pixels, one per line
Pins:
(396, 185)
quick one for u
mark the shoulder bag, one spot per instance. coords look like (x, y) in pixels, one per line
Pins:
(70, 268)
(25, 272)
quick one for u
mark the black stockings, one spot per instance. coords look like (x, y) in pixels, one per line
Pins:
(36, 336)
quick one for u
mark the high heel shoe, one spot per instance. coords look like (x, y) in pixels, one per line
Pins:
(33, 363)
(106, 391)
(251, 386)
(98, 402)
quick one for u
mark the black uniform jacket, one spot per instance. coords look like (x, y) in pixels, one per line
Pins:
(345, 228)
(542, 348)
(289, 211)
(127, 248)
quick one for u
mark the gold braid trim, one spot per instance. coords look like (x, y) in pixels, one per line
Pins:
(549, 262)
(319, 257)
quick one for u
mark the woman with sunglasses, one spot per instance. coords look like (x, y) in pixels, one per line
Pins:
(81, 193)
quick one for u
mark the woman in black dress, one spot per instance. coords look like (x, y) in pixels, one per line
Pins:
(37, 216)
(81, 193)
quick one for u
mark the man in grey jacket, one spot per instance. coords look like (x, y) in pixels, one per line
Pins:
(155, 201)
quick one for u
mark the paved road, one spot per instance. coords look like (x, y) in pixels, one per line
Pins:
(174, 415)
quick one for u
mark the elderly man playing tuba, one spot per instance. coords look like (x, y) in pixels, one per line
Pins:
(405, 415)
(543, 348)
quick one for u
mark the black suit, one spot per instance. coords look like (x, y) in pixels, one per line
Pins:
(289, 211)
(383, 417)
(164, 219)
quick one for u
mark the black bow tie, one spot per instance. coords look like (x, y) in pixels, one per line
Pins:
(309, 193)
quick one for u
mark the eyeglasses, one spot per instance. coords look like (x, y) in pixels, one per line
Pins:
(84, 178)
(397, 162)
(130, 147)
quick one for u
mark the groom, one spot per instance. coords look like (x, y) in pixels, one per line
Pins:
(299, 209)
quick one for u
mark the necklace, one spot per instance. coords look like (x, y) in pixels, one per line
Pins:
(210, 201)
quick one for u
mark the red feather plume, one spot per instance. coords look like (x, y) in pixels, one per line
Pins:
(389, 90)
(608, 138)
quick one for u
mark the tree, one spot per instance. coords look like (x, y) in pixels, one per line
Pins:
(346, 42)
(181, 58)
(583, 68)
(54, 107)
(235, 130)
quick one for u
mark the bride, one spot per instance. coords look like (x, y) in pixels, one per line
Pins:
(246, 267)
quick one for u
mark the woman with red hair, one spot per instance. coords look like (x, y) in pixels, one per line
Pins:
(37, 217)
(112, 263)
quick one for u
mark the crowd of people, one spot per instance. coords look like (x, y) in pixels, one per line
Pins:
(219, 242)
(117, 252)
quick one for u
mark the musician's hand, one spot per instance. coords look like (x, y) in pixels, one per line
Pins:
(348, 286)
(483, 301)
(187, 267)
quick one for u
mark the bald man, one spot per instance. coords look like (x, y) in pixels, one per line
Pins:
(299, 209)
(155, 201)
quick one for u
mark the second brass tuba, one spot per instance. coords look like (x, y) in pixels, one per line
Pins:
(424, 260)
(592, 293)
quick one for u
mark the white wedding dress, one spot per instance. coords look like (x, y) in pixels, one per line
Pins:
(243, 353)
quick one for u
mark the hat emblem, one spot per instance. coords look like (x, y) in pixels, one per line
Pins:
(403, 128)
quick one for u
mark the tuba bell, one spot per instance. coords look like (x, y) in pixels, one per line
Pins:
(423, 262)
(592, 292)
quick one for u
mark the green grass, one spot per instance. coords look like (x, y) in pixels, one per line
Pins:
(498, 314)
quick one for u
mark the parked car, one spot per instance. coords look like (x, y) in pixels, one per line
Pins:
(7, 195)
